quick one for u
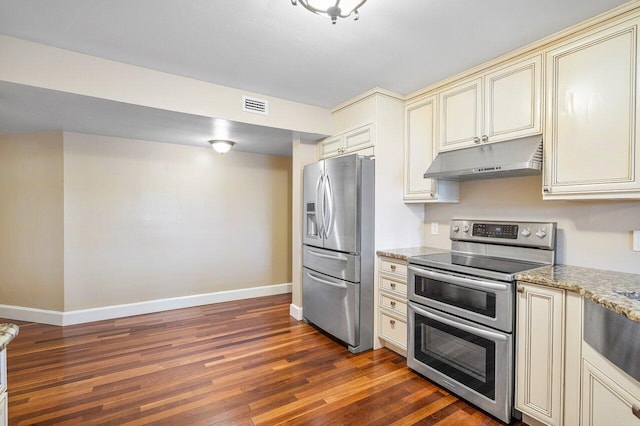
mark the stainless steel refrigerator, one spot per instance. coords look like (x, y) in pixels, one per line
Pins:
(338, 250)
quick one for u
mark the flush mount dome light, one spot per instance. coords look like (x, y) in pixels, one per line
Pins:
(221, 146)
(334, 9)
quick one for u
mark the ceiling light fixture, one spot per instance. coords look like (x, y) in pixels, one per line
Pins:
(221, 146)
(332, 8)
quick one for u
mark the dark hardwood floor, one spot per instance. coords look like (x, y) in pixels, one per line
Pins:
(234, 363)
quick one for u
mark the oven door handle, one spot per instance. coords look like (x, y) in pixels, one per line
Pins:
(464, 327)
(465, 282)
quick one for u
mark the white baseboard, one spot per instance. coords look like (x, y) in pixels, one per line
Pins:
(118, 311)
(295, 311)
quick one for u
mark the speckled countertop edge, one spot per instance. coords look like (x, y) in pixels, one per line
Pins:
(404, 253)
(598, 285)
(7, 333)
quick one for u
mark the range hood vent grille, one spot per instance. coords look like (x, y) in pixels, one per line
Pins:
(255, 105)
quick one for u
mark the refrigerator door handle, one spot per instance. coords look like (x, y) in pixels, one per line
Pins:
(320, 205)
(329, 200)
(320, 280)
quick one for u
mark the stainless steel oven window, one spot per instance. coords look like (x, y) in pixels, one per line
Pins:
(465, 357)
(482, 301)
(478, 301)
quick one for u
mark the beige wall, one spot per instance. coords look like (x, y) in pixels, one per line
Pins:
(48, 67)
(591, 234)
(31, 221)
(147, 220)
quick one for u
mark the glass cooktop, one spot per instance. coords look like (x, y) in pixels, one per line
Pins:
(484, 266)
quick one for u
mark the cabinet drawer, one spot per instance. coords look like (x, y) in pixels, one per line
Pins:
(393, 286)
(393, 267)
(393, 305)
(393, 330)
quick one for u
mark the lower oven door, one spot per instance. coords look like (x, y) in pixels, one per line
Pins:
(483, 301)
(470, 360)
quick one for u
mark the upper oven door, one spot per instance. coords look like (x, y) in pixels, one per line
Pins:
(482, 301)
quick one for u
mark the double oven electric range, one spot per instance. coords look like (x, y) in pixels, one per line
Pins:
(461, 316)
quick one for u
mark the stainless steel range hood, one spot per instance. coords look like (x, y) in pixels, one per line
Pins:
(517, 157)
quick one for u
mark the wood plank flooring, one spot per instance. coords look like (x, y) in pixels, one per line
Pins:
(234, 363)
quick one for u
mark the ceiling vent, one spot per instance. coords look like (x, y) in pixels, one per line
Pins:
(255, 105)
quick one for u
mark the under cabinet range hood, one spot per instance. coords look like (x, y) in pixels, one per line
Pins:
(517, 157)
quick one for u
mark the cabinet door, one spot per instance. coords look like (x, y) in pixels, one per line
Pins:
(331, 147)
(460, 115)
(358, 139)
(591, 148)
(539, 354)
(604, 401)
(419, 146)
(4, 415)
(513, 100)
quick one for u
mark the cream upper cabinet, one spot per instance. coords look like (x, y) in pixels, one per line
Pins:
(591, 145)
(359, 139)
(419, 150)
(460, 115)
(504, 103)
(539, 353)
(513, 100)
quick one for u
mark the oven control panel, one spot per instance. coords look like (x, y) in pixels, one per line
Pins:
(526, 234)
(493, 230)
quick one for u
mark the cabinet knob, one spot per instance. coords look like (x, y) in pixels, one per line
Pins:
(392, 303)
(393, 267)
(476, 140)
(635, 410)
(393, 285)
(546, 188)
(485, 138)
(520, 289)
(392, 322)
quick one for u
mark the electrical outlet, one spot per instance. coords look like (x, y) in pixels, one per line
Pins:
(434, 228)
(636, 240)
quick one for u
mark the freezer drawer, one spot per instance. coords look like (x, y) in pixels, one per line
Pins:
(332, 304)
(338, 265)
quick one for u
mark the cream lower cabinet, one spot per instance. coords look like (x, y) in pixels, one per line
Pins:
(356, 140)
(419, 151)
(593, 115)
(3, 389)
(503, 103)
(609, 395)
(548, 332)
(392, 303)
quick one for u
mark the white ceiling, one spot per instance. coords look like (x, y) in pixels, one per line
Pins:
(273, 48)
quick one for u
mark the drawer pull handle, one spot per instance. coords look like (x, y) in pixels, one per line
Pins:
(392, 322)
(393, 304)
(393, 267)
(393, 285)
(635, 410)
(520, 289)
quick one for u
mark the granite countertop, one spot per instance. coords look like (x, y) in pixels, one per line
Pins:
(603, 287)
(7, 333)
(404, 253)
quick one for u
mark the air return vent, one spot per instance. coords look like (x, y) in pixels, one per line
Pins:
(258, 106)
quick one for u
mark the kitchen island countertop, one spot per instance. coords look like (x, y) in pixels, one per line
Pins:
(405, 253)
(617, 291)
(7, 334)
